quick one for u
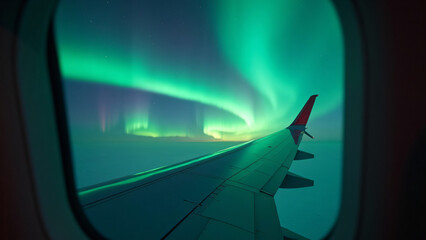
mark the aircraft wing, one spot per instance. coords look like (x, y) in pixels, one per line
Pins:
(225, 195)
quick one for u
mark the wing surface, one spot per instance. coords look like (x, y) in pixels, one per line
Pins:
(225, 195)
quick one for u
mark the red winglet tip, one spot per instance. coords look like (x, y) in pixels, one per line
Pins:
(303, 116)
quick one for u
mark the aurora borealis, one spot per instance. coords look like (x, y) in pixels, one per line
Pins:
(198, 70)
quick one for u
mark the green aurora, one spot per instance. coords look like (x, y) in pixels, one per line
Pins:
(246, 67)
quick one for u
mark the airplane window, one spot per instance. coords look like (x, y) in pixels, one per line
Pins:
(150, 84)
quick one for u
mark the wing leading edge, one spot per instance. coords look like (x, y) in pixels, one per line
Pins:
(226, 195)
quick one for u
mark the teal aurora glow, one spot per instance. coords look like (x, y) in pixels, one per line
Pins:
(199, 71)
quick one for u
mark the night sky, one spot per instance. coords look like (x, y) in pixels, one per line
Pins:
(199, 70)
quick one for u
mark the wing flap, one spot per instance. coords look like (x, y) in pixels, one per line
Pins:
(190, 228)
(220, 230)
(231, 205)
(261, 220)
(267, 223)
(274, 183)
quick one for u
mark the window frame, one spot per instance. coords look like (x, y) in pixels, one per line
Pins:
(47, 135)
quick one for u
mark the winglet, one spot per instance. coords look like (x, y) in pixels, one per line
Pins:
(303, 116)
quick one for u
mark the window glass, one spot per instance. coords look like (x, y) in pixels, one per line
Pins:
(153, 83)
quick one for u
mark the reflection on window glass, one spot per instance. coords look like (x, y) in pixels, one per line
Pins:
(153, 83)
